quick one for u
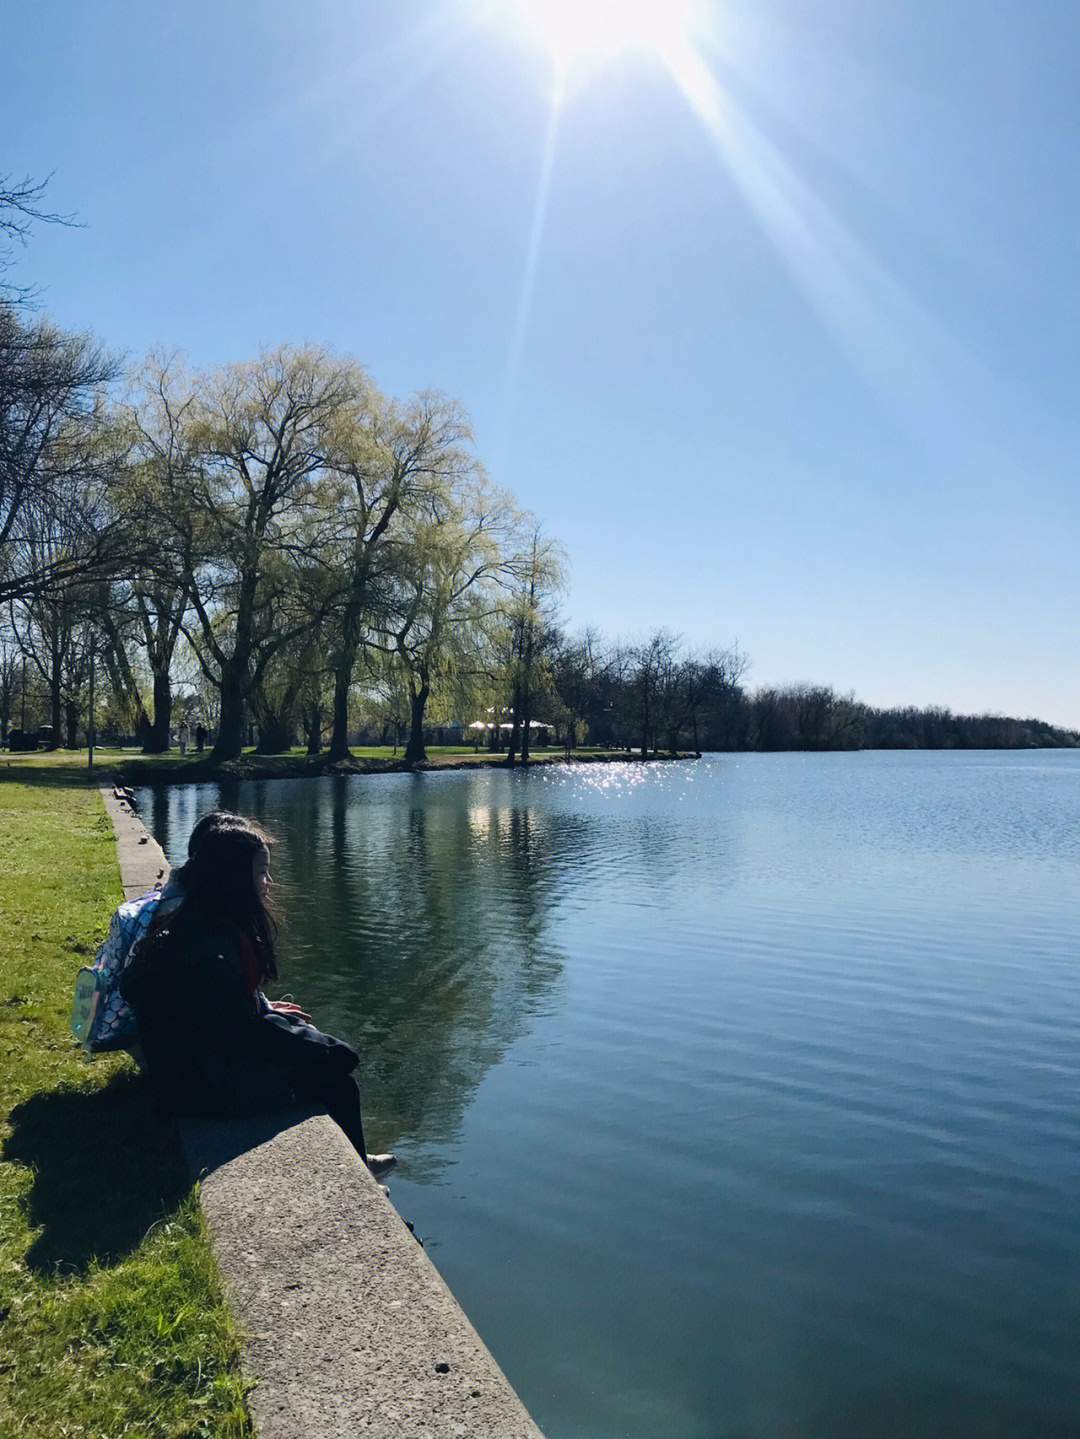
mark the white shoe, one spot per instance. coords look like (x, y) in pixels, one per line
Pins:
(380, 1163)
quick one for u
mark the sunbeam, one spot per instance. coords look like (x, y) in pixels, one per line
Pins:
(532, 258)
(901, 352)
(899, 349)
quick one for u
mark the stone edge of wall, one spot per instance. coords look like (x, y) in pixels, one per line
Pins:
(346, 1324)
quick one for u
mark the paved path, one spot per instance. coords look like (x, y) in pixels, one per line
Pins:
(347, 1325)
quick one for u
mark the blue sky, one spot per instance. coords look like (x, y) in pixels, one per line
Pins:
(784, 350)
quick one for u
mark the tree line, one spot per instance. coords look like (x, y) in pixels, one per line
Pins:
(276, 547)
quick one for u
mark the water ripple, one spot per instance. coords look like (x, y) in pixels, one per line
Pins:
(736, 1098)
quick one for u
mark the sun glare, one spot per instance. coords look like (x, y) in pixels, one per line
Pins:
(589, 33)
(883, 330)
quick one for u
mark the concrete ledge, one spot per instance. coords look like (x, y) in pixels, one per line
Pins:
(347, 1326)
(142, 860)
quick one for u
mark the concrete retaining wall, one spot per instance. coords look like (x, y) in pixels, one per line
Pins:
(347, 1326)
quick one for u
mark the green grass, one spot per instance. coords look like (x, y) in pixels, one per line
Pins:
(111, 1319)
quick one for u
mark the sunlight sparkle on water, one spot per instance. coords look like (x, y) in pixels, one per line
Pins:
(611, 778)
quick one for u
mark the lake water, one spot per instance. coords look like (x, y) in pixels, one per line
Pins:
(734, 1098)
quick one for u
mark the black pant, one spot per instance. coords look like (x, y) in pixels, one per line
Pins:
(339, 1094)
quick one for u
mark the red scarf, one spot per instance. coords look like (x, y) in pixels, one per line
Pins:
(249, 963)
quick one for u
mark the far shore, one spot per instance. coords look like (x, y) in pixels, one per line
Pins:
(132, 768)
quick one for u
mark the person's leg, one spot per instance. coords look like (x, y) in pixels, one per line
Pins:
(342, 1100)
(339, 1094)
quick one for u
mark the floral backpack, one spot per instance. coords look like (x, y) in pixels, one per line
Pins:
(100, 1019)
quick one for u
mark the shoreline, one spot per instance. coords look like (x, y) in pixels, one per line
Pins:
(345, 1324)
(130, 769)
(153, 772)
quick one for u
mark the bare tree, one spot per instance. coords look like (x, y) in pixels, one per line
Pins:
(10, 664)
(162, 470)
(58, 459)
(52, 629)
(653, 684)
(709, 684)
(538, 572)
(20, 207)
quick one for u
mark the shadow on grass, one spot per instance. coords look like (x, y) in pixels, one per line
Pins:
(60, 770)
(52, 777)
(105, 1169)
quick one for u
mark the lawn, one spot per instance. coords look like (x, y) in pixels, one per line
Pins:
(111, 1319)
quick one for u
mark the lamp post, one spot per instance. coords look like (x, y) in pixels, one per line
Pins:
(90, 719)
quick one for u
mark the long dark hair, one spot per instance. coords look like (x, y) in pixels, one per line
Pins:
(220, 889)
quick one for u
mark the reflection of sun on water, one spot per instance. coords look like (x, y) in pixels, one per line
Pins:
(486, 822)
(480, 820)
(611, 778)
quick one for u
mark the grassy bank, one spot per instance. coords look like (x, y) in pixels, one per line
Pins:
(111, 1320)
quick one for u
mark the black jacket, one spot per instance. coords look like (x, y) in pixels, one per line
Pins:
(208, 1048)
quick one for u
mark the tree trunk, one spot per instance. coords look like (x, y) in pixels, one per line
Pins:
(314, 729)
(528, 639)
(276, 719)
(71, 720)
(55, 708)
(515, 730)
(236, 671)
(157, 739)
(230, 740)
(414, 750)
(275, 734)
(344, 664)
(339, 734)
(122, 677)
(526, 718)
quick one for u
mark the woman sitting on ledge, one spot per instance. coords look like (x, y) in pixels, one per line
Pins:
(213, 1045)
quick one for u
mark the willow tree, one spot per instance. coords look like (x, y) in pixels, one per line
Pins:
(393, 468)
(263, 435)
(448, 592)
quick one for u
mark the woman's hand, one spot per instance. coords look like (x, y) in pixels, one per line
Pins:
(281, 1006)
